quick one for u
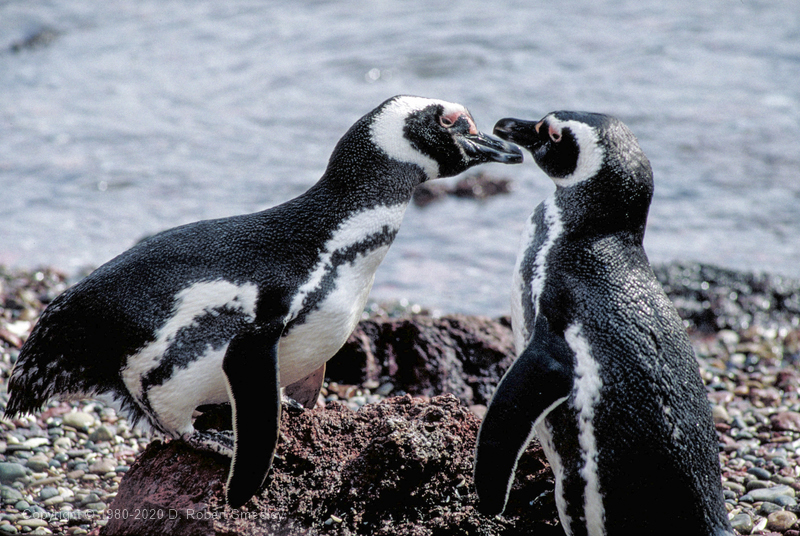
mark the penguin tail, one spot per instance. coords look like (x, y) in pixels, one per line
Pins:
(33, 383)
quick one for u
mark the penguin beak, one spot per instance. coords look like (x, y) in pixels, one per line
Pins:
(519, 131)
(482, 147)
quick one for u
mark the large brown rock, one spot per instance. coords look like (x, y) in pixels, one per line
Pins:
(422, 355)
(400, 467)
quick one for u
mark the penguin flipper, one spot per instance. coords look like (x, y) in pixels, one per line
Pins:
(306, 390)
(253, 382)
(539, 380)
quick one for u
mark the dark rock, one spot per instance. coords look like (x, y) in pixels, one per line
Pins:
(463, 355)
(479, 186)
(40, 38)
(711, 298)
(786, 421)
(400, 467)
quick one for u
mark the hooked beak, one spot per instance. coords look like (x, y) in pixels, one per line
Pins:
(482, 147)
(519, 131)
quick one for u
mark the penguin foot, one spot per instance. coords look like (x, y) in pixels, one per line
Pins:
(291, 405)
(216, 441)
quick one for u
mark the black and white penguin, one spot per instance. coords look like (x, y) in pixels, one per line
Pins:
(605, 377)
(231, 310)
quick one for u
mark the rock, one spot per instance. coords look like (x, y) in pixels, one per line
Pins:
(9, 472)
(10, 495)
(402, 466)
(720, 414)
(38, 463)
(786, 421)
(478, 186)
(781, 521)
(35, 442)
(463, 355)
(760, 473)
(48, 492)
(33, 522)
(8, 529)
(79, 420)
(742, 523)
(101, 467)
(102, 433)
(768, 494)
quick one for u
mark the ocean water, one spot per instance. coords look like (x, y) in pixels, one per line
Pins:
(126, 118)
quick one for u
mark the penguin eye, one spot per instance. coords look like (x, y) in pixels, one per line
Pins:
(446, 121)
(555, 135)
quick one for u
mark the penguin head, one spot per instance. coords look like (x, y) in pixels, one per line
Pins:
(594, 160)
(438, 136)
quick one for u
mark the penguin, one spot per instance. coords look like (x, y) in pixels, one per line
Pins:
(605, 377)
(233, 309)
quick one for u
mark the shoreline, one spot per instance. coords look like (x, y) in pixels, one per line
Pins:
(60, 469)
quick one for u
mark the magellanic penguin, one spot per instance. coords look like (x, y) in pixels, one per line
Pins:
(605, 376)
(230, 310)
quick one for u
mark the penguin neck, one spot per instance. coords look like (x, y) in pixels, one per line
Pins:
(591, 212)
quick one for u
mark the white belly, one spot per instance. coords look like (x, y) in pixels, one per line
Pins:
(307, 346)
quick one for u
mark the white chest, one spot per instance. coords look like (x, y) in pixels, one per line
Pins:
(343, 276)
(530, 273)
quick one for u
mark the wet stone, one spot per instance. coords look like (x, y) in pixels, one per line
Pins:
(10, 495)
(38, 463)
(9, 472)
(781, 521)
(760, 473)
(768, 494)
(742, 523)
(103, 433)
(79, 420)
(48, 492)
(103, 466)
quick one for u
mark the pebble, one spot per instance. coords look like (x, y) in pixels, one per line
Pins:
(760, 473)
(103, 466)
(781, 521)
(48, 492)
(38, 463)
(78, 420)
(10, 494)
(32, 522)
(742, 523)
(102, 433)
(767, 494)
(9, 472)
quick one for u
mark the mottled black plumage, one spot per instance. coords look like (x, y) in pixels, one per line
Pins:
(216, 310)
(606, 376)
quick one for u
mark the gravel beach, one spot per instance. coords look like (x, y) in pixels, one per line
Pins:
(60, 469)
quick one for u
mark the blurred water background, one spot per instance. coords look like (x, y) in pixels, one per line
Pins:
(120, 119)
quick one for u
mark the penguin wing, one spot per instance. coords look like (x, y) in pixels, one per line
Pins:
(539, 380)
(253, 382)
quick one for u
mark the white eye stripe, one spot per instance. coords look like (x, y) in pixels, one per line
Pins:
(591, 153)
(388, 125)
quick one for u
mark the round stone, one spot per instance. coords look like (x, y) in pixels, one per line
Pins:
(742, 523)
(9, 472)
(48, 492)
(781, 521)
(38, 463)
(10, 495)
(103, 433)
(101, 467)
(79, 420)
(760, 473)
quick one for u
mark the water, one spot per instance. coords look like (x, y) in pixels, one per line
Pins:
(144, 115)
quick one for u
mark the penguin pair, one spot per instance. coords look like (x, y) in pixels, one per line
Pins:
(234, 309)
(605, 376)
